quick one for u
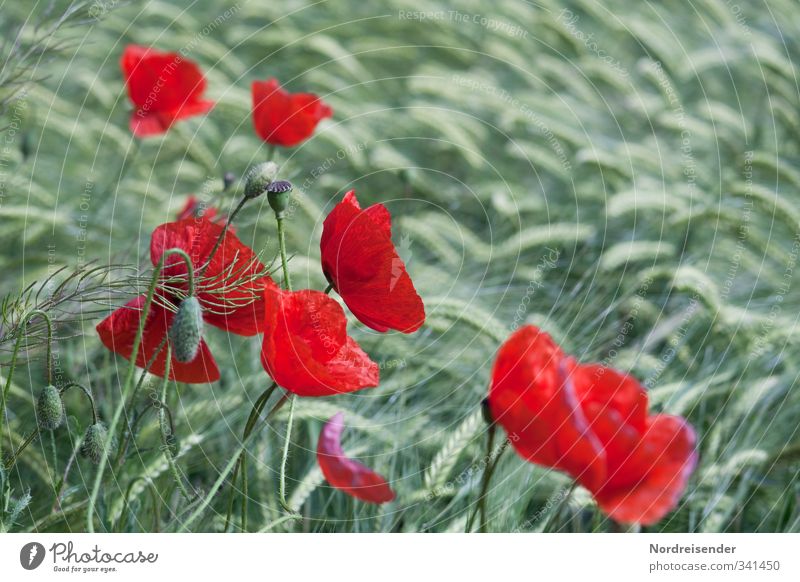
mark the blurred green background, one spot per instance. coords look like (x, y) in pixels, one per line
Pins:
(622, 173)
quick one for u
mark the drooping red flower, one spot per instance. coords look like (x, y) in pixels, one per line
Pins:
(283, 118)
(591, 422)
(230, 290)
(163, 87)
(306, 349)
(361, 262)
(344, 473)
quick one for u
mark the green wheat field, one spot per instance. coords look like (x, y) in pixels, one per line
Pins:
(624, 174)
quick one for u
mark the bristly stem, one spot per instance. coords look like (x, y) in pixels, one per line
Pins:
(12, 366)
(222, 234)
(282, 244)
(88, 396)
(163, 424)
(241, 461)
(128, 384)
(285, 456)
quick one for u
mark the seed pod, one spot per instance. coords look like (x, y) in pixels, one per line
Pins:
(259, 178)
(94, 441)
(278, 194)
(228, 179)
(49, 409)
(186, 330)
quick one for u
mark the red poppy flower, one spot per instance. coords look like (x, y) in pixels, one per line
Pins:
(285, 119)
(230, 292)
(118, 331)
(361, 262)
(306, 348)
(591, 422)
(347, 474)
(164, 87)
(194, 209)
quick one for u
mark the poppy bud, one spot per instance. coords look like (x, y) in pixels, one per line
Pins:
(94, 442)
(49, 409)
(186, 330)
(259, 178)
(278, 194)
(227, 180)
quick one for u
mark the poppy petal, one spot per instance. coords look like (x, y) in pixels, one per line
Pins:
(118, 332)
(229, 290)
(164, 87)
(666, 456)
(346, 474)
(306, 348)
(360, 260)
(283, 118)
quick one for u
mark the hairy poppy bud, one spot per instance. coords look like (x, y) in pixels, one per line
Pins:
(49, 409)
(259, 178)
(186, 330)
(228, 179)
(278, 194)
(94, 442)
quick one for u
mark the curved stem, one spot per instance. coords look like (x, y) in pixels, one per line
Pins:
(128, 384)
(17, 344)
(329, 288)
(88, 396)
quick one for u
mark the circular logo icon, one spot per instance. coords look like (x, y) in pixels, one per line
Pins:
(31, 555)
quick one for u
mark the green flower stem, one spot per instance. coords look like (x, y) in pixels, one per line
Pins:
(227, 224)
(288, 284)
(282, 244)
(15, 456)
(163, 424)
(23, 326)
(241, 466)
(201, 507)
(128, 384)
(329, 288)
(284, 458)
(88, 395)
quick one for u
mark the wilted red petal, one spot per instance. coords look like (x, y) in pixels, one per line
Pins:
(118, 332)
(231, 297)
(362, 264)
(347, 474)
(306, 348)
(282, 118)
(164, 87)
